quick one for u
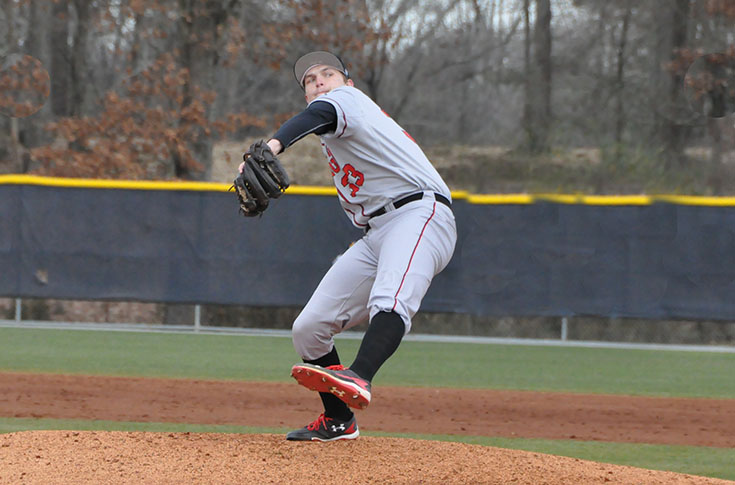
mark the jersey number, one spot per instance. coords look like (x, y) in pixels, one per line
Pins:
(349, 171)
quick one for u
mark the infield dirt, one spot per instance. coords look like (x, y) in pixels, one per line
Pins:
(118, 457)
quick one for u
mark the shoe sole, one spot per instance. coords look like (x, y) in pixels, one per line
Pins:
(351, 436)
(319, 380)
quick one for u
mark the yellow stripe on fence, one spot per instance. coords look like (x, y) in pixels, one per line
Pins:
(490, 199)
(110, 184)
(697, 200)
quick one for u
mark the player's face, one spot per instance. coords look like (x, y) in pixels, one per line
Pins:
(321, 79)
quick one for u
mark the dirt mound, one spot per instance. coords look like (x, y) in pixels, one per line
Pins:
(92, 457)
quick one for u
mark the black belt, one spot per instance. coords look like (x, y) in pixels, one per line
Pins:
(412, 198)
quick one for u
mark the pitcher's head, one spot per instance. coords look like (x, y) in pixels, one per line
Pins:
(319, 72)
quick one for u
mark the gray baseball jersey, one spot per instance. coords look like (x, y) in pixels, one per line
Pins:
(374, 163)
(373, 160)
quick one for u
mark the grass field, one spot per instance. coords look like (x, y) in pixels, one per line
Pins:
(611, 371)
(587, 370)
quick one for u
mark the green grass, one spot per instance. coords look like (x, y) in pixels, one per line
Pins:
(12, 425)
(583, 370)
(146, 354)
(705, 461)
(712, 462)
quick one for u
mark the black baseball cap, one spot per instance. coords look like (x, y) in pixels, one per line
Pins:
(307, 61)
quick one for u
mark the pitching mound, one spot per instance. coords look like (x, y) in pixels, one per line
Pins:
(93, 457)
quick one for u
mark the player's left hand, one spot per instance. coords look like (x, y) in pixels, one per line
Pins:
(262, 177)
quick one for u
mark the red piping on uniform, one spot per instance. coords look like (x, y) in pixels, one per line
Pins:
(395, 298)
(344, 118)
(353, 214)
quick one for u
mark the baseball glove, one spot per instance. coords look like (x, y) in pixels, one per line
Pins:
(262, 178)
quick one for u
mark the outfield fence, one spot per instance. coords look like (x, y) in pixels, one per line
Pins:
(561, 256)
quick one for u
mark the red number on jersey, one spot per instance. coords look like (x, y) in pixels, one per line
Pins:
(333, 165)
(349, 170)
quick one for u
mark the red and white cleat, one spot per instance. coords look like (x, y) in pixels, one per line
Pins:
(352, 389)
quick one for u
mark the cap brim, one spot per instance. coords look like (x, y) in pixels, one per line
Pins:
(307, 61)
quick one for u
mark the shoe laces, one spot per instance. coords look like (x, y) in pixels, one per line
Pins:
(336, 367)
(320, 421)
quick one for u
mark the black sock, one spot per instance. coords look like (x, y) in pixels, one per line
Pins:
(382, 338)
(333, 406)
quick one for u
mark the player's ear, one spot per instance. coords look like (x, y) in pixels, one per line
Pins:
(350, 83)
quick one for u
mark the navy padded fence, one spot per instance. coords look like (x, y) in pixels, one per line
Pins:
(658, 260)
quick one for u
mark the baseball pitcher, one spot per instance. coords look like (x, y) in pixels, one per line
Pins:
(389, 189)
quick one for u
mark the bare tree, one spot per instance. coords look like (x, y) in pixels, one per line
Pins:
(80, 57)
(199, 25)
(32, 130)
(60, 63)
(620, 79)
(537, 110)
(527, 119)
(10, 148)
(676, 18)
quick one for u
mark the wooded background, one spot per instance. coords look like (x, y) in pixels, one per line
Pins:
(144, 89)
(507, 95)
